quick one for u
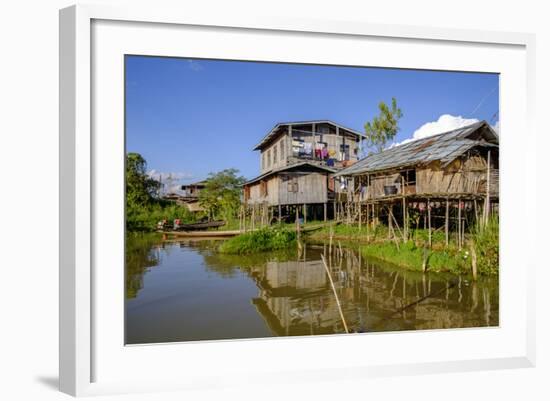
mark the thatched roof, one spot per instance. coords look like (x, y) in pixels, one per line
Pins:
(444, 147)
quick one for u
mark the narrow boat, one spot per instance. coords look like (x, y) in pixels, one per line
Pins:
(199, 226)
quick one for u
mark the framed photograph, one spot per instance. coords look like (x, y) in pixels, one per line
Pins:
(315, 192)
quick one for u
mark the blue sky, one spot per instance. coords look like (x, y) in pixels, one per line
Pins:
(192, 117)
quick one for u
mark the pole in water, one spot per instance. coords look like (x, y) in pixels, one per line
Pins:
(335, 294)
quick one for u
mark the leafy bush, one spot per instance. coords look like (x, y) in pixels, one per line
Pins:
(262, 240)
(485, 240)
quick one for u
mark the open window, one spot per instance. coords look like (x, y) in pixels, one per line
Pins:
(408, 178)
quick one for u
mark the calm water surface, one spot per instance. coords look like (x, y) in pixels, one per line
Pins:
(185, 290)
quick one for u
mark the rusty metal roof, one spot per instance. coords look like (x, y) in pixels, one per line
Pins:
(444, 147)
(291, 167)
(273, 131)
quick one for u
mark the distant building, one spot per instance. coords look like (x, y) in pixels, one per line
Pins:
(190, 196)
(296, 161)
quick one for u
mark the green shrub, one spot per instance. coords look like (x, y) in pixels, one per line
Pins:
(262, 240)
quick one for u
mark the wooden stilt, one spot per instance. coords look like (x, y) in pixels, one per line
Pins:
(404, 210)
(488, 191)
(429, 224)
(325, 211)
(305, 213)
(390, 221)
(360, 217)
(280, 213)
(459, 227)
(447, 222)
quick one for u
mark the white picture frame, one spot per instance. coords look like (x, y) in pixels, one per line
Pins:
(85, 352)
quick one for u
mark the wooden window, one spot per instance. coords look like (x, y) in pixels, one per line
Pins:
(292, 186)
(274, 154)
(282, 145)
(263, 161)
(263, 188)
(269, 158)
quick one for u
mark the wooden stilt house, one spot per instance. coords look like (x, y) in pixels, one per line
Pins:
(450, 178)
(296, 163)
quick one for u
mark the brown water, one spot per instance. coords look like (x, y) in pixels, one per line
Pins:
(184, 291)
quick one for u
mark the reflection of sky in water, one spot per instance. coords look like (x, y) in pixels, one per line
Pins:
(190, 292)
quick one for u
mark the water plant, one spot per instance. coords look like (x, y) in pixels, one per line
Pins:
(262, 240)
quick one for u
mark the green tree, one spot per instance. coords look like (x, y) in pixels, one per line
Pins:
(140, 188)
(384, 127)
(221, 196)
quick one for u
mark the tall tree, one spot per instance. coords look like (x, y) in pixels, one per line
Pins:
(221, 195)
(384, 127)
(140, 188)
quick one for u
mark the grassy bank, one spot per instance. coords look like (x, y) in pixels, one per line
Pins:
(145, 218)
(412, 254)
(263, 240)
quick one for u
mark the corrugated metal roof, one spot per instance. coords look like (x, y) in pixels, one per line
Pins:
(273, 130)
(286, 168)
(444, 147)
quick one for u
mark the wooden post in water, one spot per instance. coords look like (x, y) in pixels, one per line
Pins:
(335, 294)
(474, 260)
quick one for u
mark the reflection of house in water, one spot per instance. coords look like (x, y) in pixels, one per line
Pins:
(295, 298)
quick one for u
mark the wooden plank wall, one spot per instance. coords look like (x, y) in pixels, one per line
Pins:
(460, 177)
(311, 189)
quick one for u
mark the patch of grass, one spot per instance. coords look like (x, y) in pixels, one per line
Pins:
(145, 218)
(485, 241)
(263, 240)
(411, 256)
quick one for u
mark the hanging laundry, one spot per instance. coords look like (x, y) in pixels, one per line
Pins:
(308, 146)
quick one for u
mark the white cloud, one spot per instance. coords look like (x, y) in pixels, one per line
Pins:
(444, 123)
(170, 175)
(171, 181)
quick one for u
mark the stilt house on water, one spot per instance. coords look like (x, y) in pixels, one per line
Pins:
(450, 179)
(296, 161)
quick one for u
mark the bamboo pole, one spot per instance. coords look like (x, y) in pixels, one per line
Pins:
(459, 226)
(474, 260)
(429, 224)
(447, 223)
(335, 294)
(488, 195)
(297, 223)
(404, 209)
